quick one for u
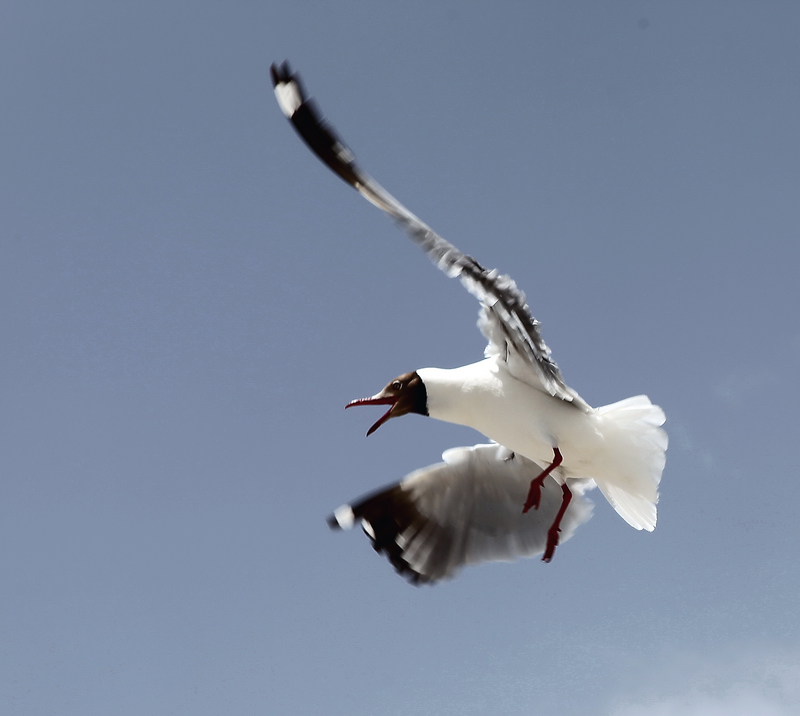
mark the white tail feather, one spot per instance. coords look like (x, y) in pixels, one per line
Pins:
(632, 433)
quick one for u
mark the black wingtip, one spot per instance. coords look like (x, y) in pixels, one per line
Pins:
(309, 123)
(385, 515)
(280, 73)
(333, 523)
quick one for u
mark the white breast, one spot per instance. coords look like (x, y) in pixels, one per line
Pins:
(486, 397)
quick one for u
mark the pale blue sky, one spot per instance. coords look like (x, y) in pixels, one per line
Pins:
(189, 299)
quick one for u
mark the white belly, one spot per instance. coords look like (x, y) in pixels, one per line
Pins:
(484, 396)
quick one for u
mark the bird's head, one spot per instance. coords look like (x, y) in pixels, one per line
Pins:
(405, 394)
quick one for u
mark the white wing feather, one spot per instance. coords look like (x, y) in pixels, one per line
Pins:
(465, 510)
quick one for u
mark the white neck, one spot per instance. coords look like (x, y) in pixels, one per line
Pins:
(456, 395)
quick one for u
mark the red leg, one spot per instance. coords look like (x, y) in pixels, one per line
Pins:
(555, 528)
(535, 491)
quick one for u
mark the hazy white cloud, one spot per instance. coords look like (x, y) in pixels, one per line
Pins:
(741, 685)
(736, 703)
(741, 385)
(680, 438)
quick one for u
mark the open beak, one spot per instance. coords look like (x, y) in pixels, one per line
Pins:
(378, 399)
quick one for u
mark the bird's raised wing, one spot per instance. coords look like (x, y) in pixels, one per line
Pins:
(465, 510)
(505, 318)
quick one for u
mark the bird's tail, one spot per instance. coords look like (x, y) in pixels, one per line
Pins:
(633, 435)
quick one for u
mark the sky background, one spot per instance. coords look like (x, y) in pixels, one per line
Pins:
(189, 299)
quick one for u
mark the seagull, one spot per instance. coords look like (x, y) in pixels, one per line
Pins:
(543, 433)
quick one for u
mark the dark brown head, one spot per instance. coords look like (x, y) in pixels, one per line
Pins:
(405, 394)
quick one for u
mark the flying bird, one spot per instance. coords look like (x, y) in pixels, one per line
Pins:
(546, 438)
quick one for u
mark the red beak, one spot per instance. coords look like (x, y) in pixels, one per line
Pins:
(376, 400)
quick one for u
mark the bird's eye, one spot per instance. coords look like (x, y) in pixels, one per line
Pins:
(397, 385)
